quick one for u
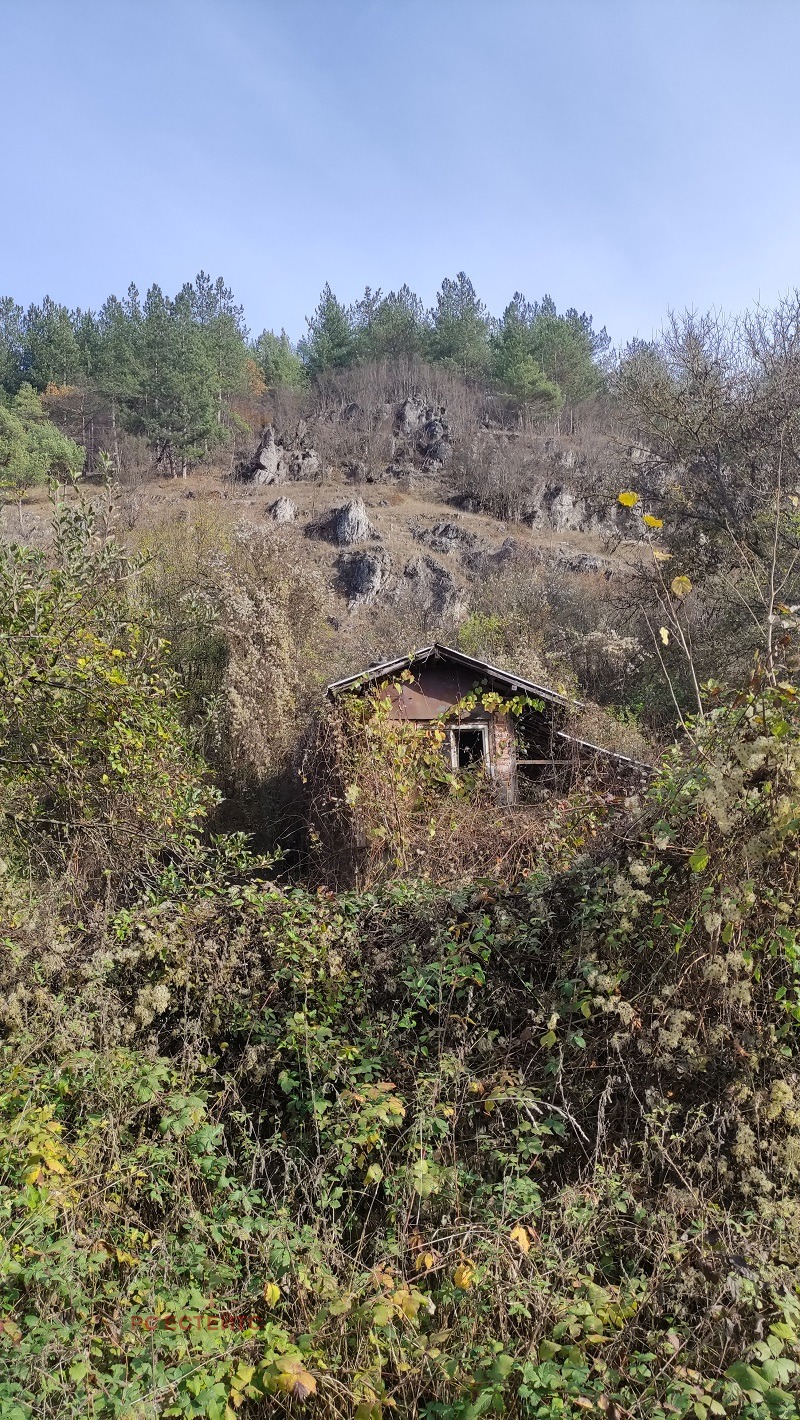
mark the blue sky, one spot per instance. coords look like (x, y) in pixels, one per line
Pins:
(627, 156)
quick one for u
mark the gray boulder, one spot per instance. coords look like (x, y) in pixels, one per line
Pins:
(409, 416)
(265, 466)
(446, 537)
(559, 509)
(433, 441)
(433, 588)
(350, 524)
(283, 511)
(277, 458)
(362, 575)
(303, 464)
(484, 563)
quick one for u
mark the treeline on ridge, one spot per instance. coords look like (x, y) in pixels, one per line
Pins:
(169, 367)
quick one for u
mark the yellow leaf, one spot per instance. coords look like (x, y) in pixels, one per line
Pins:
(425, 1262)
(628, 499)
(680, 586)
(653, 522)
(304, 1386)
(520, 1236)
(272, 1294)
(664, 634)
(661, 556)
(33, 1175)
(463, 1276)
(295, 1380)
(408, 1304)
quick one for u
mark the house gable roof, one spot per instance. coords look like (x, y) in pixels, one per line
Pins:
(483, 670)
(436, 652)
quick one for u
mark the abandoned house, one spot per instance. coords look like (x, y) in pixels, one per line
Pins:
(519, 752)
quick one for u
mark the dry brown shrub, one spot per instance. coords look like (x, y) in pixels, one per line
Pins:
(384, 804)
(242, 614)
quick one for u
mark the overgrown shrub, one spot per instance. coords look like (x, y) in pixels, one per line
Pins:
(526, 1145)
(97, 774)
(382, 801)
(446, 1152)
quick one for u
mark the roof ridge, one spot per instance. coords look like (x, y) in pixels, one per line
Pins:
(439, 648)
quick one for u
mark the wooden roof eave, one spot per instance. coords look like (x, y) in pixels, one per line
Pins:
(437, 651)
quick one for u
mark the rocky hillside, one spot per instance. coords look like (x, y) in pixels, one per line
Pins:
(414, 519)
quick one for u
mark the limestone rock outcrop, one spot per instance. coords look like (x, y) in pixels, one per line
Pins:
(424, 431)
(561, 509)
(350, 524)
(446, 537)
(363, 574)
(433, 588)
(283, 510)
(281, 457)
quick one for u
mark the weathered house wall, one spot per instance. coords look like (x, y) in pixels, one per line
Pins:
(504, 766)
(436, 691)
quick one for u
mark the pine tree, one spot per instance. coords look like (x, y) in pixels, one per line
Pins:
(331, 343)
(460, 335)
(566, 348)
(179, 405)
(119, 374)
(88, 340)
(390, 326)
(51, 354)
(514, 363)
(12, 340)
(224, 332)
(278, 362)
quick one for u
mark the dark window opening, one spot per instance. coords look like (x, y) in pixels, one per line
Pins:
(470, 748)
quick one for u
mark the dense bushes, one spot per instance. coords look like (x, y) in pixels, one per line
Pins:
(527, 1142)
(531, 1147)
(97, 774)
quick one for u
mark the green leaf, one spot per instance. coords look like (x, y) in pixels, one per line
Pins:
(746, 1377)
(548, 1350)
(699, 859)
(502, 1366)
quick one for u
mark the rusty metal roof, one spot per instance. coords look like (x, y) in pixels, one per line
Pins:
(438, 652)
(609, 753)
